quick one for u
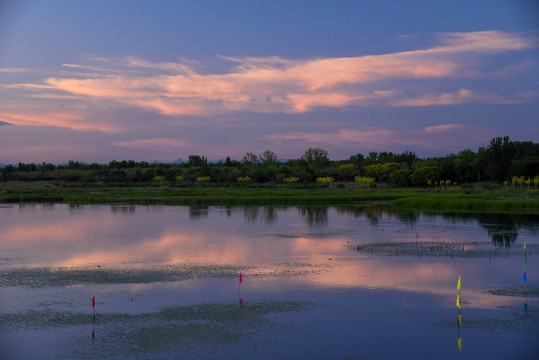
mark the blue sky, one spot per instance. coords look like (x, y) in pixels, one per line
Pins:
(100, 80)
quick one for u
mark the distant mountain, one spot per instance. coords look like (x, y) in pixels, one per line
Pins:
(178, 161)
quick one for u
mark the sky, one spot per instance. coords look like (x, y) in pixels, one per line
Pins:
(96, 81)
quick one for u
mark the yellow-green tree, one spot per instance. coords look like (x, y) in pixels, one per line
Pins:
(365, 181)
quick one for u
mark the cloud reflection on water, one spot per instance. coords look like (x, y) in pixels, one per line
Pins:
(271, 241)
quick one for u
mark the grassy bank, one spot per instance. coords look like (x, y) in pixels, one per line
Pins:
(421, 199)
(471, 201)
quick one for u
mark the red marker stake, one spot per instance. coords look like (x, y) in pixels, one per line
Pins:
(93, 312)
(239, 296)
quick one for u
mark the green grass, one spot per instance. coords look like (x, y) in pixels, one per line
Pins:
(469, 201)
(453, 199)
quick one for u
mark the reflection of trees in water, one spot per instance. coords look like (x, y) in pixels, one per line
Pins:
(268, 214)
(314, 215)
(198, 212)
(373, 212)
(503, 229)
(122, 209)
(408, 218)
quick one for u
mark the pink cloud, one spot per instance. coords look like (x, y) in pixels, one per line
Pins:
(485, 41)
(442, 128)
(274, 84)
(350, 140)
(373, 138)
(54, 119)
(305, 102)
(462, 96)
(161, 144)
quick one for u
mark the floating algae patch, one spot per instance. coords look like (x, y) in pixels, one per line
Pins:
(507, 321)
(177, 316)
(290, 269)
(69, 276)
(212, 323)
(441, 249)
(529, 291)
(178, 329)
(304, 235)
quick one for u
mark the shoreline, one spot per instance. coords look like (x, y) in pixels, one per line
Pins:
(443, 200)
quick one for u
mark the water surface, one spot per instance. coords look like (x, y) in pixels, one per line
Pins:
(351, 282)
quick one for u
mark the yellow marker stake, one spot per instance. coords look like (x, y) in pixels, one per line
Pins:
(460, 344)
(458, 300)
(458, 284)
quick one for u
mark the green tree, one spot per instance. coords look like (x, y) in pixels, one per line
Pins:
(499, 156)
(250, 159)
(401, 178)
(197, 161)
(316, 157)
(422, 175)
(268, 158)
(357, 159)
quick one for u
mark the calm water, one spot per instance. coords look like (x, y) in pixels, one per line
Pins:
(317, 283)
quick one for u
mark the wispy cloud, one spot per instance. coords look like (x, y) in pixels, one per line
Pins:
(275, 84)
(14, 70)
(54, 119)
(442, 128)
(160, 144)
(462, 96)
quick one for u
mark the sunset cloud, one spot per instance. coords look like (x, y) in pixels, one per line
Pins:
(375, 139)
(161, 144)
(54, 119)
(442, 128)
(275, 84)
(462, 96)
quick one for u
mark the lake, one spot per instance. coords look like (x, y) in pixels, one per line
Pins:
(317, 282)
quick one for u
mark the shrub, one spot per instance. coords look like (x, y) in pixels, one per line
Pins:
(324, 180)
(203, 179)
(365, 181)
(244, 179)
(290, 180)
(400, 177)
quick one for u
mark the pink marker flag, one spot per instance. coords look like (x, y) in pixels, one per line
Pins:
(241, 280)
(93, 301)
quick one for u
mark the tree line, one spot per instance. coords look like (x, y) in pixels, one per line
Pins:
(499, 162)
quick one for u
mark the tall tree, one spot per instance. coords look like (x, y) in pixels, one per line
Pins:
(268, 158)
(499, 156)
(316, 157)
(250, 159)
(197, 161)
